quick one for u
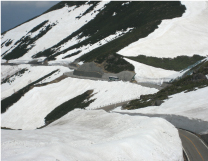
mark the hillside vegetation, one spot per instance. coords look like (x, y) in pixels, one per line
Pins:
(114, 63)
(145, 19)
(80, 101)
(178, 63)
(186, 83)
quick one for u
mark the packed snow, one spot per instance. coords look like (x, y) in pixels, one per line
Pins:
(186, 35)
(34, 106)
(193, 105)
(96, 136)
(32, 74)
(146, 73)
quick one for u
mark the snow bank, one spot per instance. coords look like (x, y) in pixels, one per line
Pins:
(146, 73)
(187, 35)
(95, 136)
(193, 105)
(34, 73)
(33, 107)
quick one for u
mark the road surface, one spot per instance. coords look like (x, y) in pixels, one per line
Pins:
(194, 148)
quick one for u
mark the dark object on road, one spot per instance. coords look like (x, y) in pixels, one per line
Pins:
(113, 78)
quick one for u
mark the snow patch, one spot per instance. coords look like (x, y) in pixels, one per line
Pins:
(149, 74)
(114, 14)
(125, 3)
(186, 35)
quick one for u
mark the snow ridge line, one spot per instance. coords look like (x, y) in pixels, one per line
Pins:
(98, 107)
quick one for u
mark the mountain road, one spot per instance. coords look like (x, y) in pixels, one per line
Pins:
(194, 148)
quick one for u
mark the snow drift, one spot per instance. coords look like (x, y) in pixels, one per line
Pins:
(95, 135)
(146, 73)
(29, 112)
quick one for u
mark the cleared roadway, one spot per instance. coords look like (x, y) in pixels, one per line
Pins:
(194, 148)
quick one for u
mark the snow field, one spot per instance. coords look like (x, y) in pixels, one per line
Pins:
(34, 73)
(95, 135)
(87, 48)
(187, 35)
(193, 105)
(146, 73)
(34, 106)
(61, 18)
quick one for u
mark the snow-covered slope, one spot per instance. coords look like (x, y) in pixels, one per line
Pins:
(187, 35)
(32, 74)
(77, 28)
(64, 22)
(146, 73)
(91, 30)
(33, 107)
(193, 105)
(95, 136)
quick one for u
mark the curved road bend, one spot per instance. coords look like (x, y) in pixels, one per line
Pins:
(194, 148)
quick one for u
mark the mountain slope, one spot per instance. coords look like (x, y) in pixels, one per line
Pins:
(44, 98)
(92, 28)
(186, 35)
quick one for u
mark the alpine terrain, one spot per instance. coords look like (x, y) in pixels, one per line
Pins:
(107, 80)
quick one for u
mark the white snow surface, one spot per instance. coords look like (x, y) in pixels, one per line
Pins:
(186, 35)
(34, 73)
(87, 48)
(65, 24)
(193, 105)
(7, 70)
(36, 104)
(146, 73)
(96, 136)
